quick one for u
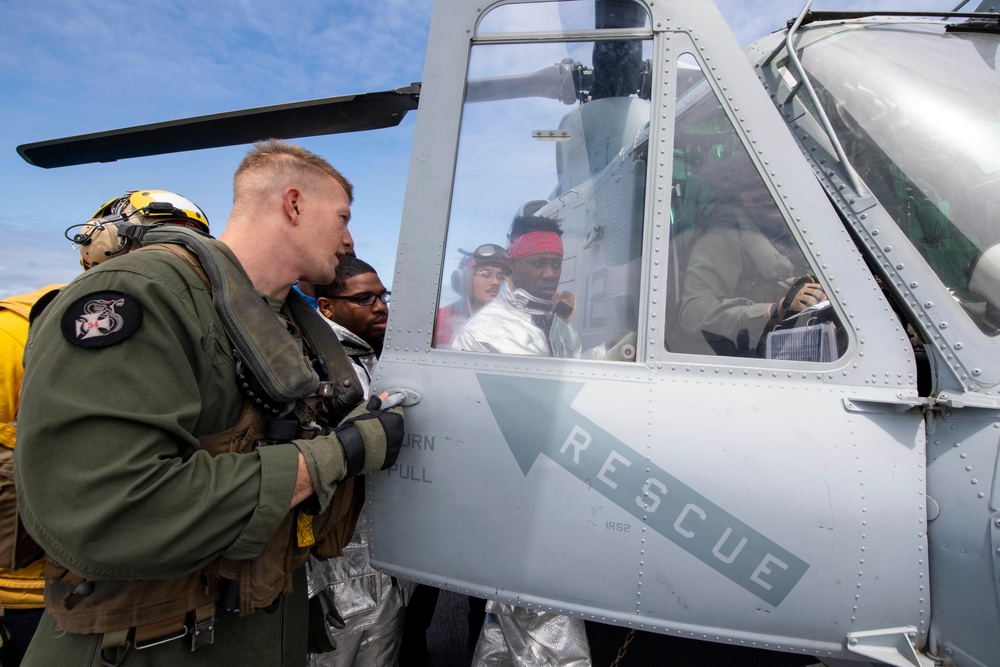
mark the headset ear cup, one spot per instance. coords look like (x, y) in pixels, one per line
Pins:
(103, 244)
(456, 282)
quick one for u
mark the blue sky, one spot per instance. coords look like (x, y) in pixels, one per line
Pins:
(71, 67)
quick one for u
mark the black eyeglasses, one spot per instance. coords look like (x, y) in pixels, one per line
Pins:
(365, 298)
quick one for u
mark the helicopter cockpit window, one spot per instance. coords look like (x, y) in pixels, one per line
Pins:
(544, 246)
(917, 112)
(739, 284)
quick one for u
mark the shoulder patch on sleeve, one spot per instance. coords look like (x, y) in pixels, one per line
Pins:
(100, 319)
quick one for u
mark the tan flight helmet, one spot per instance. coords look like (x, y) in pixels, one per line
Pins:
(110, 232)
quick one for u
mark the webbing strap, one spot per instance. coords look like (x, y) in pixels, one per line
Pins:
(160, 632)
(151, 634)
(354, 448)
(256, 332)
(204, 613)
(116, 639)
(330, 354)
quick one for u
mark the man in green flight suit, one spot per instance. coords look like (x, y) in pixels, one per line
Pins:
(188, 435)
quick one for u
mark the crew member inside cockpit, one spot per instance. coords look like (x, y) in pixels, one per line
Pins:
(745, 274)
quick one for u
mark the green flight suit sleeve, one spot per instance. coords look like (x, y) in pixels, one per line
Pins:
(109, 476)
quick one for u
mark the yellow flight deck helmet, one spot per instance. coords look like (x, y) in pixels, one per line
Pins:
(107, 235)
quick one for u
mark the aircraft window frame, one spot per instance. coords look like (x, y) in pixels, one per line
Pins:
(495, 13)
(625, 345)
(740, 282)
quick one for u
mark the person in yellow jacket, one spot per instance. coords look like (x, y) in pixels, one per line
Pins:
(20, 590)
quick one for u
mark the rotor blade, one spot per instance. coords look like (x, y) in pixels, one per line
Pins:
(332, 115)
(554, 82)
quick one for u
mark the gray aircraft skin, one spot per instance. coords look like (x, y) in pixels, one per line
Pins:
(826, 485)
(834, 507)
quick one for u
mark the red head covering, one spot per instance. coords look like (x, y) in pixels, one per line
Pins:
(535, 243)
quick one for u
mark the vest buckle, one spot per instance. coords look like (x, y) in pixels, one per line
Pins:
(203, 633)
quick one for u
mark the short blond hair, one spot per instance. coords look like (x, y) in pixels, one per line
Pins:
(273, 158)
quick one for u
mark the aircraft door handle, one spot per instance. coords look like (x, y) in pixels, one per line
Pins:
(593, 235)
(400, 396)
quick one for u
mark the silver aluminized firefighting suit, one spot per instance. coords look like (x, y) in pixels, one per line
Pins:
(514, 323)
(370, 602)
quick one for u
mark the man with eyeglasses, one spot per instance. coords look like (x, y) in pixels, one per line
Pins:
(358, 304)
(477, 281)
(370, 603)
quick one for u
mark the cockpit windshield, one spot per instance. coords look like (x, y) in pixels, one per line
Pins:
(918, 112)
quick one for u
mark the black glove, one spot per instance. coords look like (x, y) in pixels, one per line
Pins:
(367, 440)
(800, 296)
(371, 439)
